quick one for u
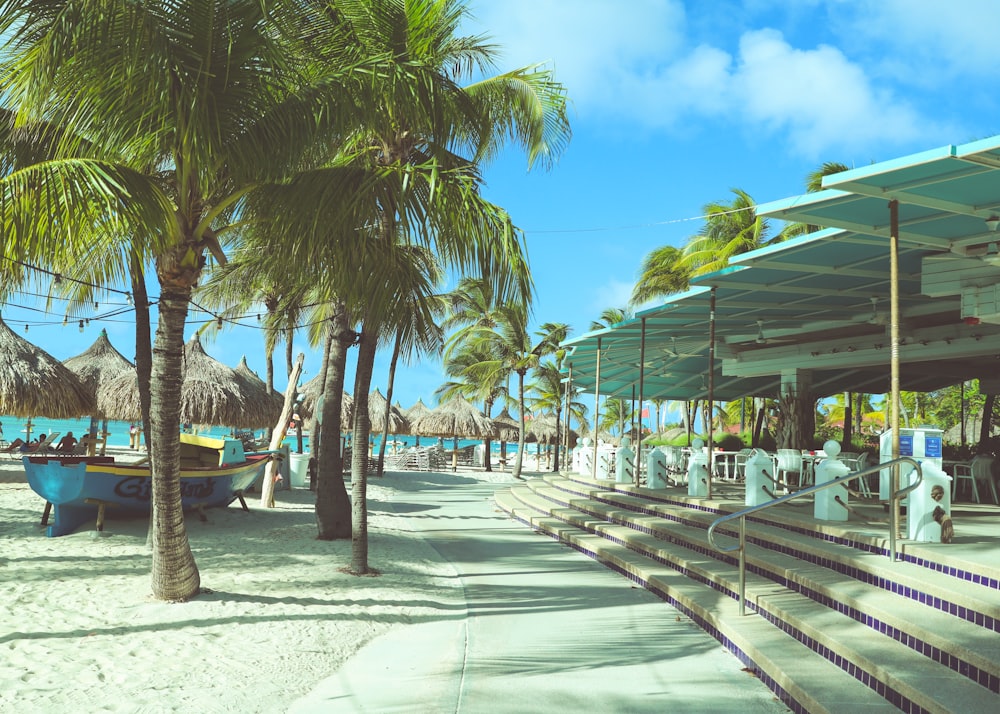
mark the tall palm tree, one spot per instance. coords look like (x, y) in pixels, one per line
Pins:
(662, 273)
(611, 316)
(548, 395)
(460, 356)
(225, 96)
(730, 229)
(513, 351)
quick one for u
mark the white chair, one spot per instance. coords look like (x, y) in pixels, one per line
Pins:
(740, 463)
(789, 462)
(980, 470)
(856, 462)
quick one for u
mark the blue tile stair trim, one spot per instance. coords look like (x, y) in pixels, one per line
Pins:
(954, 609)
(966, 669)
(786, 698)
(974, 578)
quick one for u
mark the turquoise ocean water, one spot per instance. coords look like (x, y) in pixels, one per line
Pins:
(14, 427)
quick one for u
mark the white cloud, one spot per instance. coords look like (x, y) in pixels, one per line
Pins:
(854, 79)
(593, 45)
(613, 293)
(820, 98)
(924, 40)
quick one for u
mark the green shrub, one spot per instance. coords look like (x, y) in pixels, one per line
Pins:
(730, 442)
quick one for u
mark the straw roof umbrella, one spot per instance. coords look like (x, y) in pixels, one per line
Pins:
(416, 411)
(211, 393)
(543, 427)
(257, 389)
(412, 414)
(506, 428)
(34, 383)
(377, 406)
(310, 392)
(98, 367)
(455, 418)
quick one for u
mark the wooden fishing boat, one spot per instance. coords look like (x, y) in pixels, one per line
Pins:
(214, 472)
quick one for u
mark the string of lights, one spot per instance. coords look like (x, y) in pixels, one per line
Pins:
(128, 307)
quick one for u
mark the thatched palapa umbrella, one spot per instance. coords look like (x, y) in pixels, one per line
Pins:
(211, 393)
(98, 367)
(377, 406)
(34, 383)
(311, 391)
(455, 418)
(506, 428)
(543, 429)
(414, 413)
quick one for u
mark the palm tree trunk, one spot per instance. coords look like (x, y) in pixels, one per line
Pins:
(175, 575)
(333, 509)
(516, 472)
(559, 435)
(380, 469)
(848, 420)
(359, 456)
(487, 442)
(143, 340)
(986, 424)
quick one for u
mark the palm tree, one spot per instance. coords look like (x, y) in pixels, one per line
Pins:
(661, 273)
(512, 351)
(426, 142)
(611, 316)
(814, 181)
(460, 356)
(730, 229)
(549, 396)
(223, 96)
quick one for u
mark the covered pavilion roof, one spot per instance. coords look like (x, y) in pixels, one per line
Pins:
(821, 302)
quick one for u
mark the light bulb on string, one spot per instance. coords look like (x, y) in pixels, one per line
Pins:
(25, 328)
(65, 320)
(128, 298)
(81, 325)
(218, 323)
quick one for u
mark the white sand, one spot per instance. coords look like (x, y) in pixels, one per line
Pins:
(80, 632)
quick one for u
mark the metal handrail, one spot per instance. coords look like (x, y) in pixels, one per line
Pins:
(742, 515)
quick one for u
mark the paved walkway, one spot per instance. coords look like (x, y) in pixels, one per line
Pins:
(545, 629)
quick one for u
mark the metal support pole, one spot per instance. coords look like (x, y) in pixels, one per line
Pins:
(597, 406)
(569, 403)
(894, 355)
(711, 384)
(642, 374)
(743, 566)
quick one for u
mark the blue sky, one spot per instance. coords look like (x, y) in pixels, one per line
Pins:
(673, 105)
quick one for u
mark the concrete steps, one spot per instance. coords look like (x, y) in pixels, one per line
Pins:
(830, 624)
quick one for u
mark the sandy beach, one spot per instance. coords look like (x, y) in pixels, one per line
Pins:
(80, 632)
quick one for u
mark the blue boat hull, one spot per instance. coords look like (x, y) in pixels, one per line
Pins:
(75, 486)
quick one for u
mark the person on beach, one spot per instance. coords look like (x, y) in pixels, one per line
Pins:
(14, 445)
(133, 434)
(67, 443)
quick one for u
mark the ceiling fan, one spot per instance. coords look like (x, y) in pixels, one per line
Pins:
(992, 254)
(672, 350)
(761, 339)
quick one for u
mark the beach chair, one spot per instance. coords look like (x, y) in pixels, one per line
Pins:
(44, 444)
(977, 473)
(13, 448)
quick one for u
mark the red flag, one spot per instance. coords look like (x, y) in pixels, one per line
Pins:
(645, 413)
